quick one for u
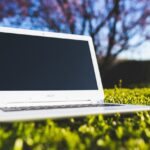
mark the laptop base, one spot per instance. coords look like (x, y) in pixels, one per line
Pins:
(56, 113)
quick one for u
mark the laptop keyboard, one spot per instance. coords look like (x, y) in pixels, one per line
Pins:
(27, 108)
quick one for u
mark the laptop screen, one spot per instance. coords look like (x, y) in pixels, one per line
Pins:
(43, 63)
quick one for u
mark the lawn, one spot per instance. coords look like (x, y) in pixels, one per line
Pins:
(130, 131)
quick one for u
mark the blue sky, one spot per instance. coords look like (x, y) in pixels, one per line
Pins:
(141, 52)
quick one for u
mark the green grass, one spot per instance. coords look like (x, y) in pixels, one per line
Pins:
(130, 131)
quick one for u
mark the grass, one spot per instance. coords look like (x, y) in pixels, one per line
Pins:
(130, 131)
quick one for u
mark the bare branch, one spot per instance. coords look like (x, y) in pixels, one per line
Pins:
(67, 14)
(105, 20)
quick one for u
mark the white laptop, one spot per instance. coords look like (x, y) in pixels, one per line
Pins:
(50, 75)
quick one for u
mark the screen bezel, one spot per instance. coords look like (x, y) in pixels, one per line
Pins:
(63, 95)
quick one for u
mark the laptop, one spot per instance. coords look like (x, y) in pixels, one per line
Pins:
(50, 75)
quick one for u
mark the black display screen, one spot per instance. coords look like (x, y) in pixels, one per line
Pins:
(43, 63)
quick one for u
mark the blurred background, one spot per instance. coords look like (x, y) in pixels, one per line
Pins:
(120, 30)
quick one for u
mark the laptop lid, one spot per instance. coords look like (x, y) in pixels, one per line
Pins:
(41, 67)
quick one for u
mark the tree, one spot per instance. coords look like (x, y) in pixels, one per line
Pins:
(114, 25)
